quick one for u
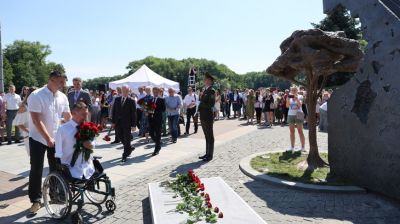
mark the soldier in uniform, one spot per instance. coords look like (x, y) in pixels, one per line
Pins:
(205, 109)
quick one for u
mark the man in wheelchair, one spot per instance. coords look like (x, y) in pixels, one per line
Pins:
(65, 139)
(69, 184)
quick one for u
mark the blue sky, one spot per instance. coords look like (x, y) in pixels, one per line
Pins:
(99, 38)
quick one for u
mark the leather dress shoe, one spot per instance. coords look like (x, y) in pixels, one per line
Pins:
(207, 159)
(123, 160)
(155, 153)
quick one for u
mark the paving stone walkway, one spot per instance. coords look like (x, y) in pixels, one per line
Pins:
(275, 204)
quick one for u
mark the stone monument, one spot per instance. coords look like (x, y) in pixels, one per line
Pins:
(364, 114)
(317, 54)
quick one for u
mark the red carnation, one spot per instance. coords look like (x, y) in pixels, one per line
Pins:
(216, 209)
(202, 194)
(107, 138)
(220, 215)
(209, 205)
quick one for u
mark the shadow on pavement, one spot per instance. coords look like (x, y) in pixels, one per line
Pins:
(146, 211)
(185, 167)
(17, 192)
(358, 209)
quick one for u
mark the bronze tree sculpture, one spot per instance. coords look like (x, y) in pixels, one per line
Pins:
(317, 54)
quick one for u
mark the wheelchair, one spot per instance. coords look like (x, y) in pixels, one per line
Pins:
(61, 191)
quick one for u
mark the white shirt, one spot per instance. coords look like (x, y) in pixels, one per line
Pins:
(190, 99)
(51, 107)
(65, 141)
(12, 101)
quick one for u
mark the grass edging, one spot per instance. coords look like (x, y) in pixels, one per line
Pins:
(246, 168)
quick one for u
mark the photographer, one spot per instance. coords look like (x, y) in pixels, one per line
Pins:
(295, 118)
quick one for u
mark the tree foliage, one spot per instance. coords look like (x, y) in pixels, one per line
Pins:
(25, 64)
(178, 70)
(340, 20)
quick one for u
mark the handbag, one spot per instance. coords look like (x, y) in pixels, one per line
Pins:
(181, 120)
(300, 115)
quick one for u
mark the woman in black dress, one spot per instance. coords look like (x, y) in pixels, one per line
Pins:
(268, 108)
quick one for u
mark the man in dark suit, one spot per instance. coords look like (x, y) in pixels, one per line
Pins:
(155, 120)
(124, 120)
(78, 94)
(228, 102)
(207, 102)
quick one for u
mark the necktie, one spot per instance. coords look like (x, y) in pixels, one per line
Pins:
(123, 100)
(76, 96)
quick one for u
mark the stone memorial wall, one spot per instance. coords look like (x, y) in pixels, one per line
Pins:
(364, 114)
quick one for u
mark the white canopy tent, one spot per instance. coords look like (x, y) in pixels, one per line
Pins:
(144, 76)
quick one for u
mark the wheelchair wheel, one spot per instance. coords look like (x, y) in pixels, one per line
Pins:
(110, 205)
(94, 190)
(56, 196)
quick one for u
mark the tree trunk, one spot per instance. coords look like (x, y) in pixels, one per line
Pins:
(313, 160)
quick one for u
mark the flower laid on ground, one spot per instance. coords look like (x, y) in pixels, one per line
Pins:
(107, 138)
(195, 201)
(87, 131)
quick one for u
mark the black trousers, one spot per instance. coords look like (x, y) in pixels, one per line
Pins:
(285, 113)
(207, 126)
(37, 151)
(139, 113)
(125, 136)
(228, 109)
(155, 133)
(258, 114)
(190, 112)
(223, 109)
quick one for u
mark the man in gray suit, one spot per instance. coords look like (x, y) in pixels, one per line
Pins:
(78, 94)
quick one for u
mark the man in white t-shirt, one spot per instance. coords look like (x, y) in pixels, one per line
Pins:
(12, 101)
(190, 102)
(47, 106)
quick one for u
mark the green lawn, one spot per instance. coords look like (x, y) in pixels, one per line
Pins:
(284, 165)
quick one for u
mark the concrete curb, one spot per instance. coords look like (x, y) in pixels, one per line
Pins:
(249, 171)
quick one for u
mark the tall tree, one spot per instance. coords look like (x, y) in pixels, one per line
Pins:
(340, 20)
(26, 64)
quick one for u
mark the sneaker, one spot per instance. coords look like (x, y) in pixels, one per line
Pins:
(291, 149)
(303, 150)
(34, 208)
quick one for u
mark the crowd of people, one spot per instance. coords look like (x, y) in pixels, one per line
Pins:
(154, 111)
(265, 106)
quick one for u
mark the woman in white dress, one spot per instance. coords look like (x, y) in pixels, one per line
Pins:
(22, 119)
(217, 105)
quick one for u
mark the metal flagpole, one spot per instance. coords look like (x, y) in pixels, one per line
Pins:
(1, 66)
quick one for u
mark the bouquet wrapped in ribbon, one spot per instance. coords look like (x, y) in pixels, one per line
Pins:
(87, 131)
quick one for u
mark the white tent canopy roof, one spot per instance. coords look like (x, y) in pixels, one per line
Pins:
(144, 76)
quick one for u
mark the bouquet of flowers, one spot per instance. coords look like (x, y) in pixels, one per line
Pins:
(141, 102)
(147, 106)
(195, 201)
(151, 107)
(87, 131)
